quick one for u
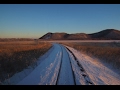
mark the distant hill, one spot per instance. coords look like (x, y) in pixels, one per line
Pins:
(54, 36)
(108, 34)
(64, 36)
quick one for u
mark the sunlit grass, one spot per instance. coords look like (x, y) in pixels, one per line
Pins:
(109, 52)
(15, 57)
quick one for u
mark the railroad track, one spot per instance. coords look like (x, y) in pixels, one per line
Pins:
(73, 76)
(83, 72)
(60, 67)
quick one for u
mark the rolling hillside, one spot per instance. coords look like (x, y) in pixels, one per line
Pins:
(108, 34)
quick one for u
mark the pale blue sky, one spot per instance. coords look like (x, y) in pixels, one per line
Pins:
(35, 20)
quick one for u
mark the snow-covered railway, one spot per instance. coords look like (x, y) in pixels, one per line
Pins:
(63, 65)
(82, 70)
(66, 74)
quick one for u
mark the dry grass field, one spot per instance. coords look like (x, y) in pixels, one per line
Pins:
(105, 51)
(17, 55)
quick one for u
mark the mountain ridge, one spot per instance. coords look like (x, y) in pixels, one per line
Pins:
(107, 34)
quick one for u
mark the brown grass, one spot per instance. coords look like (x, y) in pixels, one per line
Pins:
(109, 52)
(15, 56)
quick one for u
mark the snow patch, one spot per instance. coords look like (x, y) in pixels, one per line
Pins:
(99, 73)
(21, 75)
(46, 72)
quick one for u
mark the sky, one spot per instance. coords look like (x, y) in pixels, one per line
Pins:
(35, 20)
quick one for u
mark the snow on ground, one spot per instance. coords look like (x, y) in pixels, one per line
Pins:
(78, 76)
(65, 77)
(99, 73)
(20, 75)
(46, 72)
